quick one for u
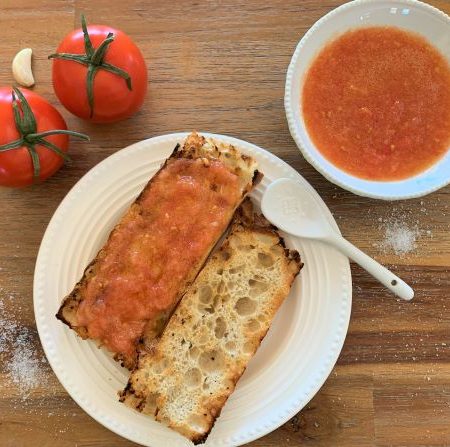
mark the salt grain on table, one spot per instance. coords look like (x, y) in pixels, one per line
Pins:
(22, 364)
(399, 237)
(25, 367)
(399, 229)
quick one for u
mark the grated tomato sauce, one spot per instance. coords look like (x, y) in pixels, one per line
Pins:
(376, 103)
(150, 255)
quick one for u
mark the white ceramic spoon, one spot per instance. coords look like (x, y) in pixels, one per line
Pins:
(291, 208)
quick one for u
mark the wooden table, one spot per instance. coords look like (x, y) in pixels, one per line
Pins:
(220, 66)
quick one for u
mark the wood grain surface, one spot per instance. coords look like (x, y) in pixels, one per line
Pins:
(219, 66)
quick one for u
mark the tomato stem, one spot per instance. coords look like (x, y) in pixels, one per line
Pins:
(94, 60)
(59, 132)
(71, 57)
(12, 145)
(91, 72)
(35, 160)
(118, 71)
(55, 149)
(29, 137)
(87, 39)
(27, 121)
(100, 52)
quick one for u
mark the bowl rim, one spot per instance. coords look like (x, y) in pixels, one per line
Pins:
(310, 157)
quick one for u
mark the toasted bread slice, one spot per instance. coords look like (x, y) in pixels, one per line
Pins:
(128, 292)
(216, 329)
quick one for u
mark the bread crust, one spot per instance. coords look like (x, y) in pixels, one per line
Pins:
(195, 147)
(158, 385)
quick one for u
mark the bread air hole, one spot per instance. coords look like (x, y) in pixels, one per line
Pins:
(265, 260)
(205, 294)
(194, 352)
(246, 248)
(150, 403)
(197, 423)
(245, 306)
(193, 378)
(225, 255)
(248, 347)
(277, 250)
(228, 384)
(265, 239)
(257, 287)
(211, 361)
(230, 346)
(159, 367)
(220, 328)
(206, 310)
(253, 325)
(237, 269)
(221, 287)
(164, 419)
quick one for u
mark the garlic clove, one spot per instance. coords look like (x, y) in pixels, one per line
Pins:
(21, 68)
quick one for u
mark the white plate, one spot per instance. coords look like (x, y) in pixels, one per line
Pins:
(410, 15)
(294, 360)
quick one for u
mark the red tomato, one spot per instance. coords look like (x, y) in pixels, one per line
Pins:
(16, 166)
(112, 98)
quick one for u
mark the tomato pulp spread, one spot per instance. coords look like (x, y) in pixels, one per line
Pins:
(149, 255)
(376, 103)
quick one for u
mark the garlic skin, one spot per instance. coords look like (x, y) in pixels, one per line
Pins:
(21, 68)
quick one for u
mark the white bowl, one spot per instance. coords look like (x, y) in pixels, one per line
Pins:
(410, 15)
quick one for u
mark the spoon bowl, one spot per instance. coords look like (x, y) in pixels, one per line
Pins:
(294, 210)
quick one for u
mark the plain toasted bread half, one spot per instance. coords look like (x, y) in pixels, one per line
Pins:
(216, 329)
(207, 154)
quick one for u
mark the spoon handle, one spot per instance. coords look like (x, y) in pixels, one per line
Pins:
(386, 277)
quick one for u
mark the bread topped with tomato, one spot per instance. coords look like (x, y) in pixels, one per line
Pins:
(129, 290)
(216, 329)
